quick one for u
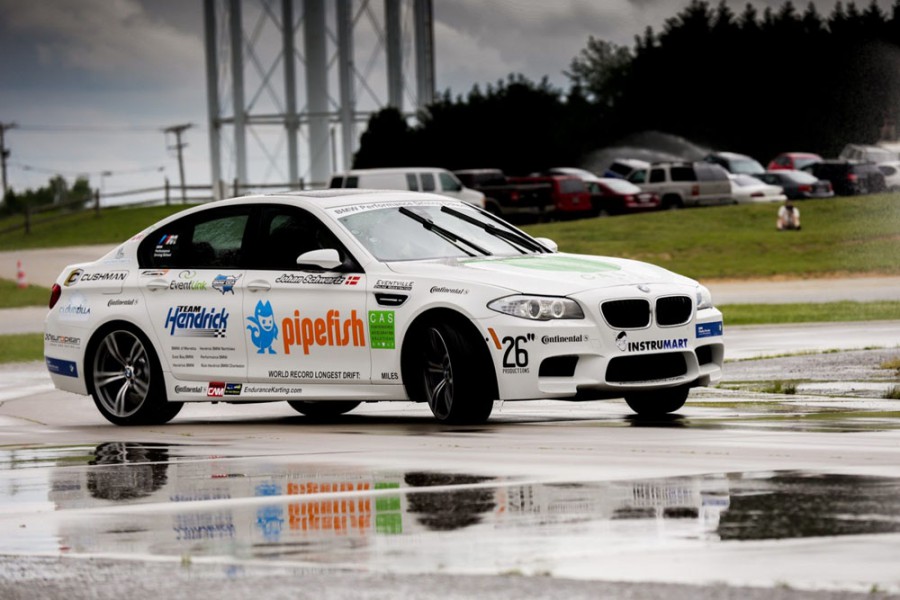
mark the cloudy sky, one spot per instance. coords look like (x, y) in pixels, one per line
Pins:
(91, 84)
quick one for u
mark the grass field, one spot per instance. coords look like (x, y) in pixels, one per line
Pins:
(839, 236)
(13, 297)
(21, 347)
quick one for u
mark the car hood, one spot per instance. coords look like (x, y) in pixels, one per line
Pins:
(558, 273)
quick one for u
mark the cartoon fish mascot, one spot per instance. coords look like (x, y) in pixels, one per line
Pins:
(262, 327)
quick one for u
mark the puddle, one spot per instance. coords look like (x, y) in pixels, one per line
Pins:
(130, 499)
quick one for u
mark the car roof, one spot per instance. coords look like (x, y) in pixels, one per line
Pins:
(732, 155)
(391, 170)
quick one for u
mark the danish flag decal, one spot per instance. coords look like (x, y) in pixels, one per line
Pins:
(352, 280)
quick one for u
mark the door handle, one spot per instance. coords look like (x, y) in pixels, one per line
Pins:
(259, 286)
(157, 284)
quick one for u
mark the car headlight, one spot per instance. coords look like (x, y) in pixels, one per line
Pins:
(704, 298)
(538, 308)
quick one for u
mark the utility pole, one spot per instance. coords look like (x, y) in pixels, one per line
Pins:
(4, 154)
(178, 130)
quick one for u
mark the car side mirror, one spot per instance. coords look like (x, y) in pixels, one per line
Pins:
(327, 258)
(548, 244)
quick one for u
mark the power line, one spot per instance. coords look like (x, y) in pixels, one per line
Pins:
(87, 128)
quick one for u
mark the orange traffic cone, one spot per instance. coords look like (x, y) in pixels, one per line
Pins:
(20, 276)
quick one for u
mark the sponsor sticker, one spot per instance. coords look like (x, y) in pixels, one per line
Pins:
(400, 286)
(62, 367)
(76, 308)
(190, 389)
(197, 321)
(709, 329)
(271, 390)
(312, 279)
(381, 329)
(440, 289)
(330, 330)
(122, 302)
(225, 283)
(650, 345)
(564, 339)
(73, 277)
(62, 340)
(262, 328)
(164, 246)
(515, 351)
(104, 276)
(233, 389)
(216, 389)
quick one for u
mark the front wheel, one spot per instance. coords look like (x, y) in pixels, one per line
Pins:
(323, 410)
(127, 382)
(450, 377)
(658, 402)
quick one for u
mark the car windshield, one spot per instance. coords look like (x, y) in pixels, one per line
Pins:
(417, 231)
(802, 161)
(745, 180)
(620, 186)
(748, 166)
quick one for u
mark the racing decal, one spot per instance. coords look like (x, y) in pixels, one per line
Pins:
(164, 246)
(349, 210)
(76, 308)
(62, 341)
(649, 345)
(216, 389)
(122, 302)
(515, 354)
(62, 367)
(189, 389)
(709, 329)
(186, 282)
(328, 331)
(253, 389)
(564, 339)
(197, 321)
(103, 276)
(381, 329)
(439, 289)
(73, 277)
(225, 283)
(233, 389)
(387, 284)
(263, 331)
(352, 279)
(309, 374)
(311, 279)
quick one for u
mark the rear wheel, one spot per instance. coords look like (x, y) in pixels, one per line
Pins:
(323, 410)
(448, 375)
(658, 402)
(126, 380)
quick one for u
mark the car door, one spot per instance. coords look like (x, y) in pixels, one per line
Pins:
(303, 323)
(191, 278)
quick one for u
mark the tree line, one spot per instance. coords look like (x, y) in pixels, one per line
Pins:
(753, 82)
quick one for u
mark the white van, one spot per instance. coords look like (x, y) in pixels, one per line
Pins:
(417, 179)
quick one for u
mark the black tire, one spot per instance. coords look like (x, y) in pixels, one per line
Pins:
(658, 402)
(671, 202)
(448, 375)
(125, 379)
(323, 410)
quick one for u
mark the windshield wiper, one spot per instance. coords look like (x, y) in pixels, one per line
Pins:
(511, 237)
(444, 233)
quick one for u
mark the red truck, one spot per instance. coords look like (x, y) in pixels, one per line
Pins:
(534, 197)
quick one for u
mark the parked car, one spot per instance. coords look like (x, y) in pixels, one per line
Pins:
(798, 185)
(747, 189)
(891, 172)
(680, 184)
(612, 196)
(336, 298)
(512, 201)
(574, 171)
(735, 163)
(848, 177)
(793, 161)
(864, 153)
(570, 195)
(622, 168)
(415, 179)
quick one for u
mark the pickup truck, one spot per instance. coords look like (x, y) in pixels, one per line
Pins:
(513, 198)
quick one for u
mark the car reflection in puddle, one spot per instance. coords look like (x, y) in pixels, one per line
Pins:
(133, 499)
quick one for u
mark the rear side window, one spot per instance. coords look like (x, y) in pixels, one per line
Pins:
(638, 176)
(336, 182)
(209, 239)
(427, 182)
(683, 174)
(352, 182)
(412, 182)
(657, 175)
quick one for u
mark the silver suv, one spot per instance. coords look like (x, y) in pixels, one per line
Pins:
(680, 184)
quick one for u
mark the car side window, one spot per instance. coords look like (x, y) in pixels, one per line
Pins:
(683, 174)
(412, 182)
(427, 182)
(449, 183)
(657, 175)
(286, 232)
(638, 176)
(336, 182)
(208, 239)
